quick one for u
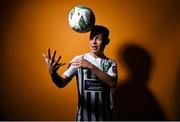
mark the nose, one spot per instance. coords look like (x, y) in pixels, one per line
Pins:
(94, 41)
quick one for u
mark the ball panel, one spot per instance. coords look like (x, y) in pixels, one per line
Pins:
(82, 24)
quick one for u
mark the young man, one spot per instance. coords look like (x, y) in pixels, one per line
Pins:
(96, 75)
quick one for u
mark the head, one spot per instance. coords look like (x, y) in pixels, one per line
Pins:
(99, 38)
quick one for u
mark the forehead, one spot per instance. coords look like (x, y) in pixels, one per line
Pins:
(98, 35)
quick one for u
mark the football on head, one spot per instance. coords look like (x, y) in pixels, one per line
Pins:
(81, 19)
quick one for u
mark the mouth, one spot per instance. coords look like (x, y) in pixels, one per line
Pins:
(94, 47)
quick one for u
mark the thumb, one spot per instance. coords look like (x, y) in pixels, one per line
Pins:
(61, 64)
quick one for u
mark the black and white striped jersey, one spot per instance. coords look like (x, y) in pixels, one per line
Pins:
(94, 97)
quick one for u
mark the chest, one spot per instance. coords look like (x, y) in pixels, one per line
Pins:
(101, 64)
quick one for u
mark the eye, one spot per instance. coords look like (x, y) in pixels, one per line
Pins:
(98, 38)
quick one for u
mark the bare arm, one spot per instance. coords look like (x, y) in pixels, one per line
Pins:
(104, 77)
(60, 81)
(53, 66)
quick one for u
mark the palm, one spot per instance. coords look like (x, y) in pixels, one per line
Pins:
(53, 65)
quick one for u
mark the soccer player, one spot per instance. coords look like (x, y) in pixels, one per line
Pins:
(96, 76)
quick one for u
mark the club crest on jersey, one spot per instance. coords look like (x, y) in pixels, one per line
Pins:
(106, 66)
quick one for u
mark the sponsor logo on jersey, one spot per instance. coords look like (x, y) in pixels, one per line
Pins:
(93, 85)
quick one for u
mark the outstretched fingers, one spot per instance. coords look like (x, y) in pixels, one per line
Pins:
(61, 64)
(53, 56)
(45, 57)
(57, 62)
(53, 65)
(58, 59)
(48, 54)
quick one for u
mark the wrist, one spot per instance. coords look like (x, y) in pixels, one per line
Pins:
(52, 73)
(92, 67)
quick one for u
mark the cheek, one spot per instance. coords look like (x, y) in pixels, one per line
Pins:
(100, 44)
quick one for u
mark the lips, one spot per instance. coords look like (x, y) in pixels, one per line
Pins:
(94, 47)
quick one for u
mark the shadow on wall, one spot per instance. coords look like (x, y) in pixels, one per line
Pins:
(177, 91)
(8, 11)
(133, 100)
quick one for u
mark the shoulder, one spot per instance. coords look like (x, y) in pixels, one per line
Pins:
(77, 56)
(110, 60)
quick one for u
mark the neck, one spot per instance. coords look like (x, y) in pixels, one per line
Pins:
(101, 55)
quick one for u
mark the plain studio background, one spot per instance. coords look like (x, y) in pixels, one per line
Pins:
(144, 41)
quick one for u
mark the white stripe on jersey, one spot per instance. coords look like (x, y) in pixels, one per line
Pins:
(93, 116)
(80, 75)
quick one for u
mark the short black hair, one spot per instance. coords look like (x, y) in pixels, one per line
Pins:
(99, 29)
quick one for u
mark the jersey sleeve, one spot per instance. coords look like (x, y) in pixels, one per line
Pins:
(113, 70)
(71, 71)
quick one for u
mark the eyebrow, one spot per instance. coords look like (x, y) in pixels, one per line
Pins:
(98, 36)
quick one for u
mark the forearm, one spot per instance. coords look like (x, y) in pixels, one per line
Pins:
(58, 80)
(105, 78)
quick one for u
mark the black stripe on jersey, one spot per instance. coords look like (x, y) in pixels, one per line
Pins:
(106, 105)
(103, 106)
(82, 92)
(108, 108)
(80, 79)
(89, 105)
(79, 98)
(97, 106)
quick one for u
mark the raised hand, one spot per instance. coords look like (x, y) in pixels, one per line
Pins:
(81, 62)
(53, 65)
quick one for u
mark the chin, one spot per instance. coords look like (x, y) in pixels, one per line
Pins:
(95, 52)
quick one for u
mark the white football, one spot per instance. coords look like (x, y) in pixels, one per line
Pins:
(81, 19)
